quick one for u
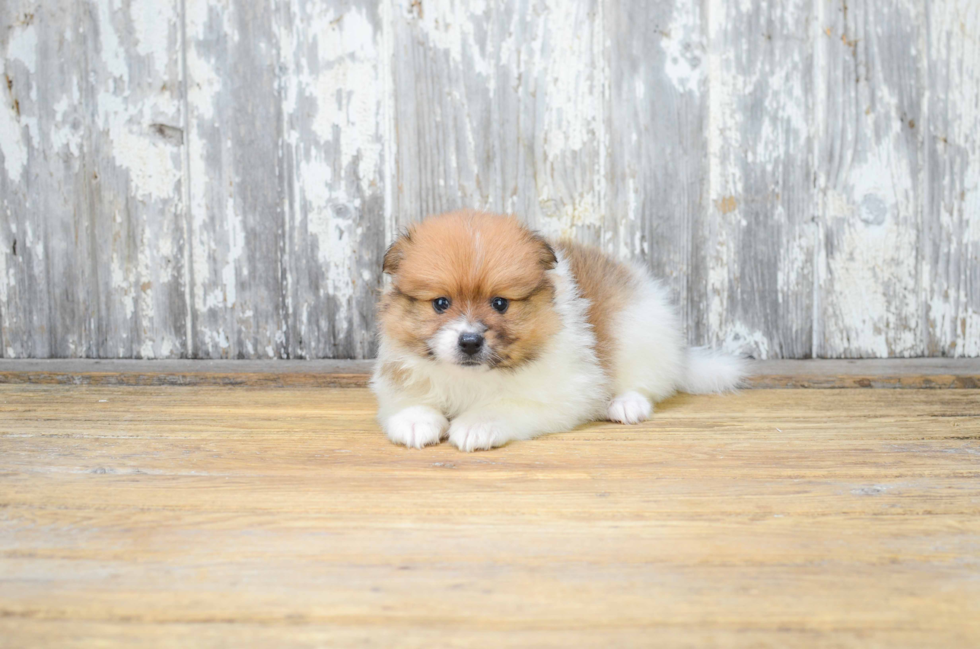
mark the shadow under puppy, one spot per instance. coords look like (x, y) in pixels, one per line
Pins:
(488, 333)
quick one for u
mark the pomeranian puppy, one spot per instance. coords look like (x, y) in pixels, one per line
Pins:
(489, 333)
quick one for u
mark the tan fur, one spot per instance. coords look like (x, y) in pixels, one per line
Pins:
(394, 373)
(608, 285)
(471, 258)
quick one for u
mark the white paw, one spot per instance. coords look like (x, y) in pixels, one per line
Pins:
(416, 427)
(476, 434)
(630, 408)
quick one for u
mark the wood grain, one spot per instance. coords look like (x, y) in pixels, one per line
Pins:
(334, 158)
(501, 107)
(219, 178)
(869, 116)
(236, 192)
(950, 248)
(657, 112)
(91, 208)
(156, 516)
(758, 297)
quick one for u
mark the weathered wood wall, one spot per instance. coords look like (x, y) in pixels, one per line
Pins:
(219, 178)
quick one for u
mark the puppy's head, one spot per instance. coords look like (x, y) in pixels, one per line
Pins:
(470, 289)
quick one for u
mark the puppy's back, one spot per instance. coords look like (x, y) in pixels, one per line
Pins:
(607, 284)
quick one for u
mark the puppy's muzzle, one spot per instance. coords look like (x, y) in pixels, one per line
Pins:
(470, 343)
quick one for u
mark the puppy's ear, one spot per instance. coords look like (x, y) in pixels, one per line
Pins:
(546, 254)
(395, 254)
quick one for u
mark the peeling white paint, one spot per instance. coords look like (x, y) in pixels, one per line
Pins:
(351, 107)
(953, 119)
(11, 141)
(6, 279)
(206, 84)
(335, 226)
(874, 285)
(153, 23)
(112, 54)
(204, 88)
(389, 141)
(21, 53)
(724, 174)
(67, 132)
(343, 142)
(570, 114)
(346, 88)
(236, 247)
(683, 48)
(22, 46)
(742, 340)
(871, 299)
(797, 255)
(514, 115)
(121, 283)
(449, 26)
(154, 167)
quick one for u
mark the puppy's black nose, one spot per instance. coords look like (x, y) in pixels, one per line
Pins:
(470, 343)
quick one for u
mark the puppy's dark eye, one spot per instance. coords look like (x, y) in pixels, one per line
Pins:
(440, 304)
(499, 304)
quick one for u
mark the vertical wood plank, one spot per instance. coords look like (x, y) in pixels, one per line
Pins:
(134, 198)
(36, 186)
(756, 241)
(236, 176)
(951, 196)
(501, 106)
(334, 164)
(869, 123)
(657, 143)
(94, 90)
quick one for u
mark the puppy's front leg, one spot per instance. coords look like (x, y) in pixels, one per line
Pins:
(416, 426)
(404, 416)
(495, 424)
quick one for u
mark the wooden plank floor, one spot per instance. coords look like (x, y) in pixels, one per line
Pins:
(217, 516)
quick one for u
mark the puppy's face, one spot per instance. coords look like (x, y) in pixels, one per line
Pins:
(470, 289)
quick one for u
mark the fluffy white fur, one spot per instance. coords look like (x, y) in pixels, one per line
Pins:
(562, 388)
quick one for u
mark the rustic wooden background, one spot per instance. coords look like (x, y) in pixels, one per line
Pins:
(219, 178)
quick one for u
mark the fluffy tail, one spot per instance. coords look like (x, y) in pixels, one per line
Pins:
(712, 371)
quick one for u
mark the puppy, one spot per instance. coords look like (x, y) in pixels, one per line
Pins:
(488, 333)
